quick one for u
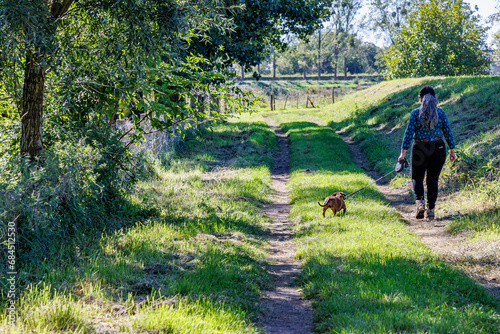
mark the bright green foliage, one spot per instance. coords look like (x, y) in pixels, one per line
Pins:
(438, 38)
(107, 59)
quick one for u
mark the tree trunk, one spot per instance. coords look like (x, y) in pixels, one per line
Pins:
(335, 70)
(305, 73)
(319, 55)
(345, 67)
(274, 66)
(242, 72)
(32, 106)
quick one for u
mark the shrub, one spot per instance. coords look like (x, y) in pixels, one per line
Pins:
(63, 195)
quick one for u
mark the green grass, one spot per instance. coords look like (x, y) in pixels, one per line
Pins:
(365, 272)
(295, 93)
(376, 119)
(200, 316)
(197, 241)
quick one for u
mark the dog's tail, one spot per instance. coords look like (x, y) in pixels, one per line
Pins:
(321, 205)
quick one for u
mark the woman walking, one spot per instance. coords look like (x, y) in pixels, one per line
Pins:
(427, 126)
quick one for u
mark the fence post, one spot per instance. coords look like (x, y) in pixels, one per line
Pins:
(286, 99)
(333, 94)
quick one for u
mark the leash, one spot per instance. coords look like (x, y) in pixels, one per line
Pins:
(392, 171)
(397, 169)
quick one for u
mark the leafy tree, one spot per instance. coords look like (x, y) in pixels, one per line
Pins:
(438, 38)
(496, 16)
(258, 28)
(496, 40)
(105, 59)
(76, 57)
(341, 39)
(366, 59)
(388, 16)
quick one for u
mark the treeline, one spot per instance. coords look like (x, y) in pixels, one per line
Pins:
(423, 38)
(302, 60)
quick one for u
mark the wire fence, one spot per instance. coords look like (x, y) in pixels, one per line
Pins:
(315, 98)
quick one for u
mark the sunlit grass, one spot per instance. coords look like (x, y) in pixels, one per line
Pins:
(364, 271)
(196, 240)
(198, 316)
(376, 119)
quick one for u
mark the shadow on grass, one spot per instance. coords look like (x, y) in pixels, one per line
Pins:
(364, 271)
(239, 145)
(203, 265)
(373, 294)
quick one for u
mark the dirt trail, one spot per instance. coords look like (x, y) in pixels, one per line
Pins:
(284, 310)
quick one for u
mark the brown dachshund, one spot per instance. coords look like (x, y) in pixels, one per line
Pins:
(334, 202)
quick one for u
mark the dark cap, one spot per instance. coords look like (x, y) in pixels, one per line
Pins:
(427, 90)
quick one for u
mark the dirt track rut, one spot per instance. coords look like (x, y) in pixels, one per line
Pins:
(284, 309)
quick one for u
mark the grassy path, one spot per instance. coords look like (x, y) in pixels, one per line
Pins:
(190, 255)
(366, 272)
(284, 310)
(451, 248)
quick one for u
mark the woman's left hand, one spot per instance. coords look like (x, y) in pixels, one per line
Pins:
(453, 156)
(402, 155)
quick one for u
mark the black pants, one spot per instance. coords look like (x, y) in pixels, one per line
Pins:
(427, 157)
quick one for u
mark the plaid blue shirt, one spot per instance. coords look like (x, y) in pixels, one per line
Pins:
(415, 130)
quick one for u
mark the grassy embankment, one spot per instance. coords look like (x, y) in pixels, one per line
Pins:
(191, 260)
(376, 118)
(365, 272)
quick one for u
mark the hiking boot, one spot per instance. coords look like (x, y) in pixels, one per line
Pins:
(430, 214)
(420, 208)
